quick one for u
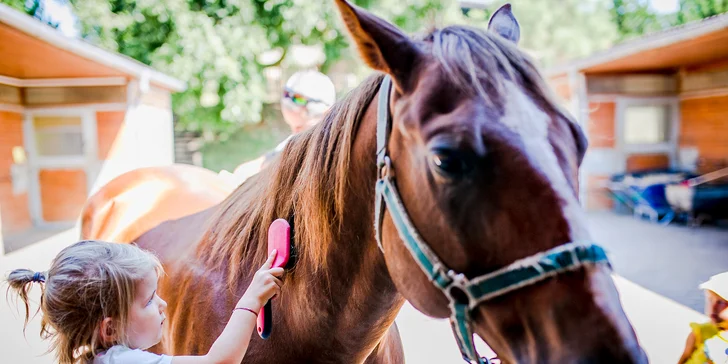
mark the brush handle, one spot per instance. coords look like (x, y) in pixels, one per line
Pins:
(265, 321)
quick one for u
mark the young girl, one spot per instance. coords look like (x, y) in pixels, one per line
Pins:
(708, 342)
(100, 305)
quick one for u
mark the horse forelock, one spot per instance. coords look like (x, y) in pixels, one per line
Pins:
(481, 63)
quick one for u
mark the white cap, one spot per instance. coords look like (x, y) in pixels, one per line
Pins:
(314, 85)
(718, 284)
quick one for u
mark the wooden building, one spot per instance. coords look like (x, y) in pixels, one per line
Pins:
(72, 116)
(654, 102)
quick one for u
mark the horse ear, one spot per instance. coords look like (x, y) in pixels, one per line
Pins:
(504, 23)
(382, 45)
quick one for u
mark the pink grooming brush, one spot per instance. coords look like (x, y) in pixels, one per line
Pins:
(279, 238)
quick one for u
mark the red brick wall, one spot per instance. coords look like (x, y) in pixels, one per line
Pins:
(62, 193)
(704, 125)
(601, 133)
(640, 162)
(13, 208)
(109, 129)
(600, 129)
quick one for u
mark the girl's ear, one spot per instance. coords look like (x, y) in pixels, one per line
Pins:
(107, 331)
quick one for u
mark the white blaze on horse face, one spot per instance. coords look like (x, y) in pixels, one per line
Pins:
(525, 118)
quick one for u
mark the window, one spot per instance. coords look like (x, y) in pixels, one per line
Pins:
(647, 124)
(58, 136)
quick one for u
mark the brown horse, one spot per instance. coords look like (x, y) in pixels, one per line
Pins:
(486, 164)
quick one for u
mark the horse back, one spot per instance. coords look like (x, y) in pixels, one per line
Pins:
(137, 201)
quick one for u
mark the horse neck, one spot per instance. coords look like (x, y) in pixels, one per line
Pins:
(356, 288)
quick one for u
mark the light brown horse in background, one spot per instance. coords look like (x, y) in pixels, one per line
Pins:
(137, 201)
(486, 164)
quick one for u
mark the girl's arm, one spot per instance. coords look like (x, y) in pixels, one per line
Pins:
(231, 345)
(689, 349)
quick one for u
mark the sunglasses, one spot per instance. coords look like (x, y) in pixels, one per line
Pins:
(297, 98)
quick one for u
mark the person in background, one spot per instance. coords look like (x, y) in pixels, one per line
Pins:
(306, 97)
(708, 342)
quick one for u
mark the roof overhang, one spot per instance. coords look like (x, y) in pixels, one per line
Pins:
(33, 50)
(689, 45)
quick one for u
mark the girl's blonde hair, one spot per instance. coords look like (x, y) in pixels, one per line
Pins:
(87, 282)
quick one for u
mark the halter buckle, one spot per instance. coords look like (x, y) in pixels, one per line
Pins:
(457, 291)
(385, 168)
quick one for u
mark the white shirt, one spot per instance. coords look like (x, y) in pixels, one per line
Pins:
(281, 145)
(120, 354)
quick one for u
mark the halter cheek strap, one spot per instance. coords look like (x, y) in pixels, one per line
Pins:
(384, 164)
(463, 293)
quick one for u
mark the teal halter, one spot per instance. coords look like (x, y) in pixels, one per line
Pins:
(463, 293)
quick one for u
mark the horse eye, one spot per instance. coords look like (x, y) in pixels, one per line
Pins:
(451, 163)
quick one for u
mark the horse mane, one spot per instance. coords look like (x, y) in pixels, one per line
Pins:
(470, 57)
(305, 184)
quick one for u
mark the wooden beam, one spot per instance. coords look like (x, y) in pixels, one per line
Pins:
(63, 82)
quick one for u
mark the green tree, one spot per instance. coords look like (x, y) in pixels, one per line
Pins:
(557, 31)
(691, 10)
(635, 17)
(22, 6)
(214, 45)
(34, 8)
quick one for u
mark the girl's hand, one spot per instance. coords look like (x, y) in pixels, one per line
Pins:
(264, 286)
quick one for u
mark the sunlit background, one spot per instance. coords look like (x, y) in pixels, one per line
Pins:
(90, 89)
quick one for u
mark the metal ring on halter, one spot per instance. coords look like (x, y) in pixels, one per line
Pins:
(385, 170)
(461, 283)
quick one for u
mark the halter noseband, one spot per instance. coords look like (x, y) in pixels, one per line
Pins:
(463, 293)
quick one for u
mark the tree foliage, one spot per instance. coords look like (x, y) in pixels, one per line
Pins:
(691, 10)
(554, 31)
(216, 45)
(635, 17)
(33, 8)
